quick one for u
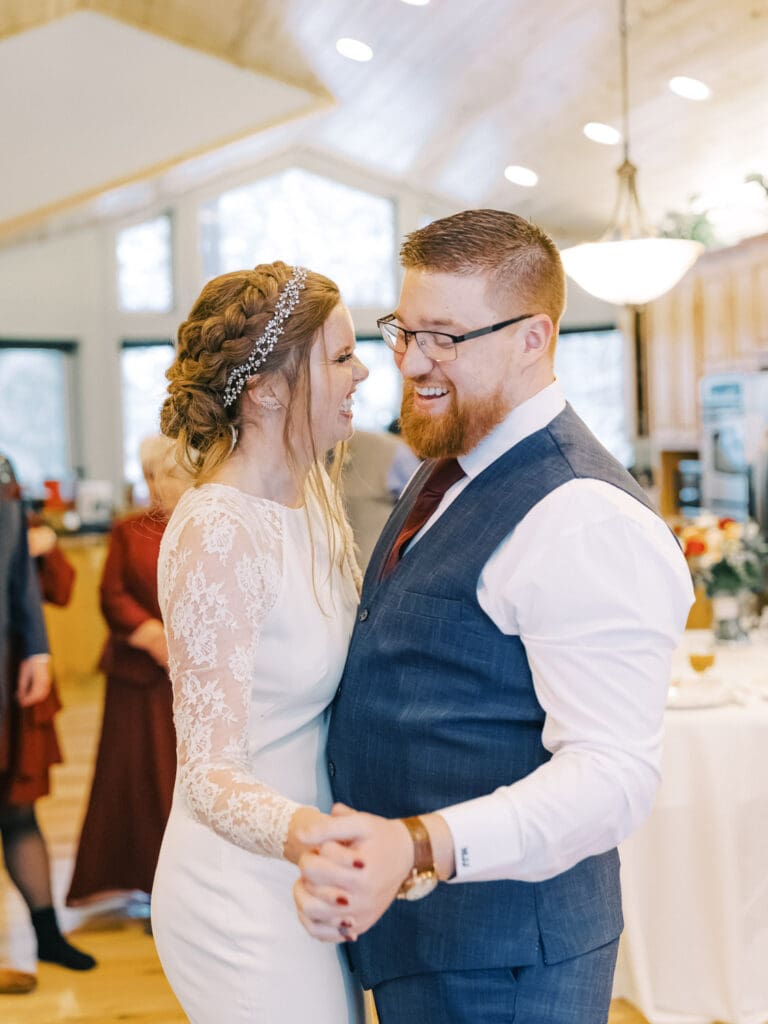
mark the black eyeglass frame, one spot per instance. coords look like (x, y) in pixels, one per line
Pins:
(455, 338)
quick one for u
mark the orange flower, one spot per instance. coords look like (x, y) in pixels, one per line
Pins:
(694, 547)
(725, 521)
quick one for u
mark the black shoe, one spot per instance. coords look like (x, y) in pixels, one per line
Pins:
(52, 947)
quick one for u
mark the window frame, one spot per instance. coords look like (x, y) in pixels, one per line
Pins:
(132, 344)
(72, 425)
(628, 384)
(170, 214)
(356, 182)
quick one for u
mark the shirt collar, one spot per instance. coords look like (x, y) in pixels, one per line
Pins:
(523, 420)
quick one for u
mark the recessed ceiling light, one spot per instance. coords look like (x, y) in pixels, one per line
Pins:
(602, 133)
(521, 176)
(354, 49)
(690, 88)
(416, 3)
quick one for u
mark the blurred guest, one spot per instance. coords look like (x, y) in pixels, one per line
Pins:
(28, 745)
(403, 465)
(377, 467)
(136, 761)
(367, 495)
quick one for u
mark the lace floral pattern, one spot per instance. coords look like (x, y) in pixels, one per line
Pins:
(219, 576)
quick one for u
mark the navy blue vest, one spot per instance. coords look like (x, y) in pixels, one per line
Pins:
(437, 706)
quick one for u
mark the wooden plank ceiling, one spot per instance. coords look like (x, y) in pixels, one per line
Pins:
(457, 90)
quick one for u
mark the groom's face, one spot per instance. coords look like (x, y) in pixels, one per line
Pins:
(449, 406)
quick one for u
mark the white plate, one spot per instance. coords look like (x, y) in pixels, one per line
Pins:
(709, 694)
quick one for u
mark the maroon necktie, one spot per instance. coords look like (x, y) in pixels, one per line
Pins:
(444, 473)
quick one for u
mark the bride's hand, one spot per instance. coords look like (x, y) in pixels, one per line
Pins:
(337, 926)
(305, 819)
(362, 859)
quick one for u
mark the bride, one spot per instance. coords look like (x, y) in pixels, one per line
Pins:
(258, 588)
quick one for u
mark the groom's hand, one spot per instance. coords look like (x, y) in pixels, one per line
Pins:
(360, 864)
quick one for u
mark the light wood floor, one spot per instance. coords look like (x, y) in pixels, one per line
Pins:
(128, 984)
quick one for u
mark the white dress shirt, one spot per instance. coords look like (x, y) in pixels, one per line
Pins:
(597, 589)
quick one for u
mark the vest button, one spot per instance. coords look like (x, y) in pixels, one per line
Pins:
(331, 769)
(363, 615)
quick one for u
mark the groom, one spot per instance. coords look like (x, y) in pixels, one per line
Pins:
(498, 725)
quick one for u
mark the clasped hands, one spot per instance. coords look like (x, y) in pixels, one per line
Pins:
(352, 867)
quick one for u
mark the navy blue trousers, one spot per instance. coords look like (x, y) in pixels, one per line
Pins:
(576, 991)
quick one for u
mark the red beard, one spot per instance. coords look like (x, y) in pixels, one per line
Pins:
(454, 432)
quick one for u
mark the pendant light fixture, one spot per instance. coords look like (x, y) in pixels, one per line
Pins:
(629, 266)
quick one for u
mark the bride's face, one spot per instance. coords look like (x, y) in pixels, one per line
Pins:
(334, 373)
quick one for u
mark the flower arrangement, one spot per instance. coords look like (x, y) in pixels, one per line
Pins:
(725, 556)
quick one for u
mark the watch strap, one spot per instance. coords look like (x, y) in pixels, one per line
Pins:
(423, 858)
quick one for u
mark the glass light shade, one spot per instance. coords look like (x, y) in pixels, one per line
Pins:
(632, 271)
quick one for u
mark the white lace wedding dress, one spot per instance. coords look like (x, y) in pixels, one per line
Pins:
(255, 661)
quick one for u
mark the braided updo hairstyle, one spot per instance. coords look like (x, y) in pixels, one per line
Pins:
(229, 316)
(219, 334)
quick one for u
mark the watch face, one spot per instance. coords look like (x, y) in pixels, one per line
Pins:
(419, 886)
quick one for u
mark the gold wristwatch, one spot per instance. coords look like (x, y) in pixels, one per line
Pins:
(422, 878)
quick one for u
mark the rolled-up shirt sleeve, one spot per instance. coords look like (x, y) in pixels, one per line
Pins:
(597, 589)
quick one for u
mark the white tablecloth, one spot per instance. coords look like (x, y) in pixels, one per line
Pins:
(695, 876)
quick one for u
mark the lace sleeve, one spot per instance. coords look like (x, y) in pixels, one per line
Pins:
(219, 576)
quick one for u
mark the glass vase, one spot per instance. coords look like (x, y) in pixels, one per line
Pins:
(727, 619)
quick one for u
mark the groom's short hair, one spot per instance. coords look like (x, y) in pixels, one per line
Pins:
(522, 262)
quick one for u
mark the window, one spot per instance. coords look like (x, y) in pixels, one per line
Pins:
(303, 218)
(35, 414)
(143, 365)
(145, 267)
(377, 399)
(591, 366)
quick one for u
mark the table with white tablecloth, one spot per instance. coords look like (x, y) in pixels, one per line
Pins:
(695, 875)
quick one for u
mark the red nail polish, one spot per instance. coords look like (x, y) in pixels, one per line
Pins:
(358, 864)
(345, 924)
(342, 901)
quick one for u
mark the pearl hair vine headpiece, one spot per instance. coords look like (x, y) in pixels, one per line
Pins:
(287, 301)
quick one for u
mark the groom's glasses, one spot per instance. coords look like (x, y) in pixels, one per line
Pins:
(435, 345)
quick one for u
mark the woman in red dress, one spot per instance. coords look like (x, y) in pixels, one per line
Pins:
(136, 761)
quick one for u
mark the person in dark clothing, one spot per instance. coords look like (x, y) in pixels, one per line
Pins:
(25, 689)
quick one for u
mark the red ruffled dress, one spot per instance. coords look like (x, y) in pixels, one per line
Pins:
(28, 743)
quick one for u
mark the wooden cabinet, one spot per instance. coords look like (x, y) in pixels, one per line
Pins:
(716, 316)
(674, 363)
(745, 296)
(759, 278)
(77, 633)
(748, 272)
(715, 320)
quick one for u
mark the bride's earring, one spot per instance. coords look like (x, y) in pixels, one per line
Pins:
(268, 402)
(233, 432)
